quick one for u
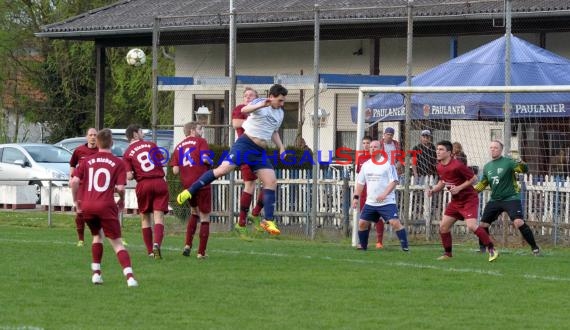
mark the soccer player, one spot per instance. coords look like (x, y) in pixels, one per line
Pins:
(458, 179)
(143, 162)
(249, 178)
(500, 175)
(380, 178)
(261, 126)
(99, 176)
(363, 157)
(84, 150)
(189, 159)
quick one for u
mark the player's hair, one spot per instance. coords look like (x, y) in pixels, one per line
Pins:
(458, 145)
(499, 142)
(367, 137)
(189, 126)
(90, 128)
(447, 144)
(131, 130)
(250, 89)
(105, 138)
(277, 90)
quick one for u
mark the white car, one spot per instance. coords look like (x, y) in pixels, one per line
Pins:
(118, 149)
(34, 164)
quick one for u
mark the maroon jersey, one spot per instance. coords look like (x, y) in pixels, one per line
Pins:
(187, 156)
(81, 152)
(237, 114)
(456, 173)
(99, 174)
(362, 158)
(144, 159)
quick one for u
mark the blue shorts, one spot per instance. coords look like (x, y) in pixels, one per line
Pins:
(373, 213)
(245, 151)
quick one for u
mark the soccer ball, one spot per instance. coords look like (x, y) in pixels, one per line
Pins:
(136, 57)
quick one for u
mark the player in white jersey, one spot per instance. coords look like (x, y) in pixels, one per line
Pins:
(261, 126)
(380, 178)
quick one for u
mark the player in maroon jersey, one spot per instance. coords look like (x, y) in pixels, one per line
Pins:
(144, 163)
(98, 177)
(458, 179)
(190, 159)
(249, 178)
(80, 152)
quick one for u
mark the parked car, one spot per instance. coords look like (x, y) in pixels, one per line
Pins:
(33, 163)
(164, 138)
(118, 149)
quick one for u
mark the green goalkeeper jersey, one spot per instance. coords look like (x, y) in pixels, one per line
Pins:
(500, 174)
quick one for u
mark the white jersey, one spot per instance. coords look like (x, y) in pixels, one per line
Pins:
(263, 122)
(376, 177)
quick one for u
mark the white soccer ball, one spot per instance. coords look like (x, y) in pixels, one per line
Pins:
(136, 57)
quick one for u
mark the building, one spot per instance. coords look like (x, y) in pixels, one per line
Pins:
(276, 38)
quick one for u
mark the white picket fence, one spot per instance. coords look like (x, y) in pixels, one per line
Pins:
(546, 202)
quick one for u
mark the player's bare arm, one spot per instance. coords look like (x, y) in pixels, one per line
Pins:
(237, 123)
(74, 183)
(357, 192)
(130, 175)
(391, 186)
(456, 189)
(277, 140)
(437, 188)
(175, 170)
(120, 190)
(253, 107)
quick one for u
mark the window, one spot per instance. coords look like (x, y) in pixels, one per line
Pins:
(496, 134)
(290, 124)
(10, 155)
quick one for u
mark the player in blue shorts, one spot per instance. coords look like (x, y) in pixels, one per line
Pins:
(380, 178)
(261, 126)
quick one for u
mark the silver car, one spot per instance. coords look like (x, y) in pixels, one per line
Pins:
(118, 149)
(33, 164)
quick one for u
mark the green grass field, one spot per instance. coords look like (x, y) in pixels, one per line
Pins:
(45, 283)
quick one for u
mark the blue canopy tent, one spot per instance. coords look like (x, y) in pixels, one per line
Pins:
(483, 66)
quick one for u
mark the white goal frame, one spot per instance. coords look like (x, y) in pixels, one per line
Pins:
(362, 91)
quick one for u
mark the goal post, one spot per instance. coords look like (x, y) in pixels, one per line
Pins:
(540, 124)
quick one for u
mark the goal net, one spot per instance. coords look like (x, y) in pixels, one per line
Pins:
(534, 129)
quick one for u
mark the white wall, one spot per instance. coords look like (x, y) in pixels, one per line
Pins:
(337, 57)
(475, 138)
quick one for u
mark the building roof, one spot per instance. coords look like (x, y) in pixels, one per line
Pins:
(129, 18)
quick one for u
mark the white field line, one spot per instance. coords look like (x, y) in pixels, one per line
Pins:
(448, 268)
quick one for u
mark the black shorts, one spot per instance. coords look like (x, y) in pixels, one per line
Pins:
(494, 208)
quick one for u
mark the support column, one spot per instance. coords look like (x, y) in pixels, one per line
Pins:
(100, 86)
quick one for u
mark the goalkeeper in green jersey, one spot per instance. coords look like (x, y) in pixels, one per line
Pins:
(500, 175)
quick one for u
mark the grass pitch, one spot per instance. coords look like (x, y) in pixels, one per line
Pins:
(45, 283)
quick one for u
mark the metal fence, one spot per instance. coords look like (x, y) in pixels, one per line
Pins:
(546, 202)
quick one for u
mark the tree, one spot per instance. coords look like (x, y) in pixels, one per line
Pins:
(61, 73)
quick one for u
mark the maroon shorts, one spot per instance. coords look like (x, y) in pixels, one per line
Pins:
(111, 227)
(152, 195)
(99, 216)
(247, 174)
(465, 209)
(202, 199)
